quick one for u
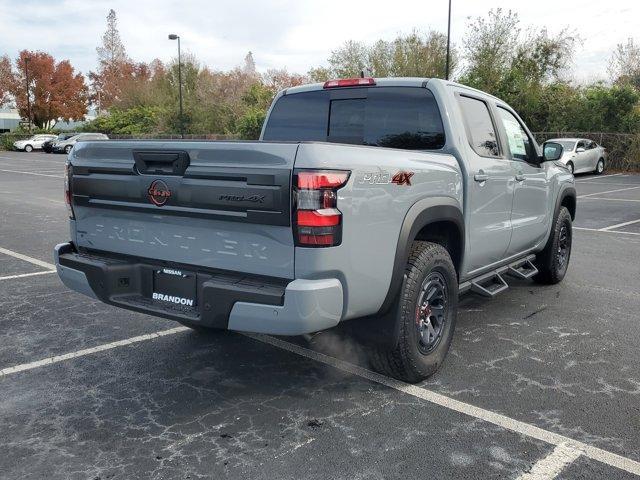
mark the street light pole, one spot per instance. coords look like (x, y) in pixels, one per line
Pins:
(26, 74)
(173, 36)
(448, 41)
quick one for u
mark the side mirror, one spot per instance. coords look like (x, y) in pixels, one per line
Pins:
(580, 149)
(551, 151)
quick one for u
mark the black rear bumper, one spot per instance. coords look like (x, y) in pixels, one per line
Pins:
(128, 283)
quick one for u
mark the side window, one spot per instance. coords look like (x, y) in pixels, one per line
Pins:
(520, 144)
(581, 144)
(482, 133)
(592, 145)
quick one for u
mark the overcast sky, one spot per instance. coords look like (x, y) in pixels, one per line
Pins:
(296, 34)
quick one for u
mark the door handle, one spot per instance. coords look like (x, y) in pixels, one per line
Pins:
(481, 177)
(520, 177)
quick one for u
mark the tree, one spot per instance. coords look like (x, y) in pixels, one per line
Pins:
(6, 79)
(624, 64)
(114, 67)
(525, 70)
(411, 55)
(55, 90)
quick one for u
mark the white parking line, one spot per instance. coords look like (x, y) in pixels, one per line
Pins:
(498, 419)
(604, 231)
(609, 191)
(614, 199)
(551, 465)
(599, 177)
(23, 275)
(32, 173)
(88, 351)
(26, 258)
(618, 225)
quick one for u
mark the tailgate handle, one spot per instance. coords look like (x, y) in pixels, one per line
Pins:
(161, 162)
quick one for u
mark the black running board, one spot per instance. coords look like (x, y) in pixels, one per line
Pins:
(492, 283)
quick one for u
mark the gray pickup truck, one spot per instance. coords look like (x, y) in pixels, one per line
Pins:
(379, 200)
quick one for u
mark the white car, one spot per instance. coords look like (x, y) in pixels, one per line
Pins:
(33, 143)
(582, 155)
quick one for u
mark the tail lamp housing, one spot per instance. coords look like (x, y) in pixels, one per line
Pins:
(317, 222)
(68, 171)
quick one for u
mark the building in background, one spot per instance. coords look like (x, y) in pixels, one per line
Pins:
(9, 119)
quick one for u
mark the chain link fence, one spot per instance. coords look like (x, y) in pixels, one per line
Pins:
(623, 149)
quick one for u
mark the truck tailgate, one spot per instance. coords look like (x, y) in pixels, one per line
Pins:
(218, 205)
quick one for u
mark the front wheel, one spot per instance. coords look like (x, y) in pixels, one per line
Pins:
(67, 149)
(28, 149)
(600, 167)
(426, 312)
(553, 261)
(570, 167)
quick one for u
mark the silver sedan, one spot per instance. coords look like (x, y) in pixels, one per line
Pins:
(581, 155)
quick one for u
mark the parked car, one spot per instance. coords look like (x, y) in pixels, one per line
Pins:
(65, 146)
(47, 146)
(582, 155)
(372, 201)
(33, 143)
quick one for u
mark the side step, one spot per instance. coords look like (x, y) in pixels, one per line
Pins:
(523, 271)
(492, 283)
(489, 286)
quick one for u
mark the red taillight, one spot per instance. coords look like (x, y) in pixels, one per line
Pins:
(349, 82)
(317, 220)
(67, 189)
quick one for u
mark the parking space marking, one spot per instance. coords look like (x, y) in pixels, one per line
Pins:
(609, 191)
(551, 465)
(23, 275)
(618, 225)
(27, 258)
(89, 351)
(604, 231)
(32, 173)
(508, 423)
(599, 176)
(614, 199)
(615, 184)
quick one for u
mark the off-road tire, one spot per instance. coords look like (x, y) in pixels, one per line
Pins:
(551, 269)
(406, 361)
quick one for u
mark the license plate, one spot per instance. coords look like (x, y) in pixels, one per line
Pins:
(174, 286)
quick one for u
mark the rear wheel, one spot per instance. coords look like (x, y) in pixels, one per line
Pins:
(426, 312)
(67, 149)
(28, 148)
(553, 261)
(600, 167)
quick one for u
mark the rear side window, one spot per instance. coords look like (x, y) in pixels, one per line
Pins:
(395, 117)
(482, 133)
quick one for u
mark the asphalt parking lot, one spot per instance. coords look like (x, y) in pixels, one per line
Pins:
(541, 382)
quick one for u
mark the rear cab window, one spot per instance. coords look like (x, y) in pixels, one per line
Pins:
(480, 128)
(394, 117)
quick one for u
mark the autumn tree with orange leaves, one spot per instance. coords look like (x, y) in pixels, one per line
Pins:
(55, 89)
